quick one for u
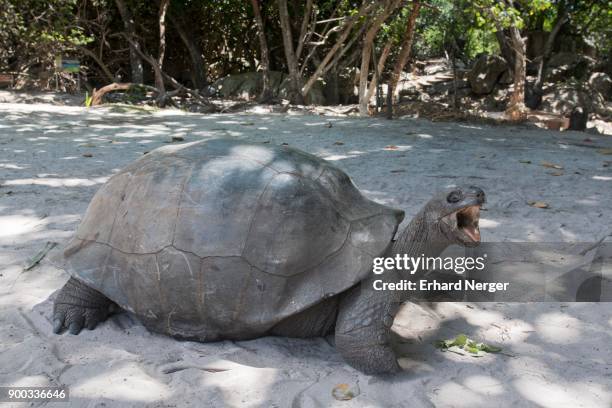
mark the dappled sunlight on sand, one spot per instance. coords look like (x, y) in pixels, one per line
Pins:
(558, 328)
(553, 355)
(128, 382)
(12, 166)
(542, 392)
(484, 385)
(13, 225)
(447, 395)
(56, 182)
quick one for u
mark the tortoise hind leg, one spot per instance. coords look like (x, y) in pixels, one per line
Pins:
(77, 306)
(316, 321)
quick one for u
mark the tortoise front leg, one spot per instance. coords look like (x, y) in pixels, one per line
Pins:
(77, 306)
(363, 329)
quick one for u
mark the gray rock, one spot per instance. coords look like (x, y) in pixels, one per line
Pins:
(485, 73)
(567, 64)
(314, 97)
(564, 98)
(601, 83)
(246, 86)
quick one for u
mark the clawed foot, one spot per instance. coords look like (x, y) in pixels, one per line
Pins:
(375, 360)
(78, 306)
(75, 318)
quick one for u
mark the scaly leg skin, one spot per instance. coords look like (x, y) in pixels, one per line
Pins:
(316, 321)
(77, 306)
(363, 329)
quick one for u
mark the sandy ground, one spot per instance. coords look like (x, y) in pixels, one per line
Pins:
(555, 354)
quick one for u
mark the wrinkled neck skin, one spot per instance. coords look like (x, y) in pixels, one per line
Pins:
(422, 237)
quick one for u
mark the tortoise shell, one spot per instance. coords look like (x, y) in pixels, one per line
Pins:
(223, 239)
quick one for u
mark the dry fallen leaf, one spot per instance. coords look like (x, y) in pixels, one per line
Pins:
(538, 204)
(344, 392)
(604, 151)
(556, 173)
(551, 165)
(391, 147)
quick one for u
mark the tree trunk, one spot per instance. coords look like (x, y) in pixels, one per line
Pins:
(366, 54)
(516, 109)
(535, 98)
(266, 92)
(128, 24)
(389, 107)
(374, 83)
(159, 79)
(406, 48)
(504, 46)
(337, 49)
(292, 64)
(197, 62)
(304, 29)
(98, 94)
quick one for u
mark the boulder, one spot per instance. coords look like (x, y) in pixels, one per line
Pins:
(341, 87)
(485, 73)
(436, 66)
(247, 85)
(314, 97)
(564, 98)
(567, 64)
(601, 83)
(563, 59)
(506, 78)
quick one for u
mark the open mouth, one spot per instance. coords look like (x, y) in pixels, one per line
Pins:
(467, 222)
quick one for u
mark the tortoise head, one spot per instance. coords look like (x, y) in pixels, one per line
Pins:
(455, 213)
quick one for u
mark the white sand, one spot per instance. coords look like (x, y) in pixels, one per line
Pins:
(562, 352)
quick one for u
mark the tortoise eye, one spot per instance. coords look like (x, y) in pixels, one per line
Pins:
(454, 197)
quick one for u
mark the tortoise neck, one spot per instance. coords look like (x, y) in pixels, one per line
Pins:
(420, 238)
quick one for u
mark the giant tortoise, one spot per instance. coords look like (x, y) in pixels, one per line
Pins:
(224, 239)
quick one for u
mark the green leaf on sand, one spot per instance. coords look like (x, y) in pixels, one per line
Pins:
(462, 342)
(32, 262)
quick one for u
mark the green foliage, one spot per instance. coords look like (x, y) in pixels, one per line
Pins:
(462, 342)
(480, 41)
(88, 99)
(33, 31)
(435, 26)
